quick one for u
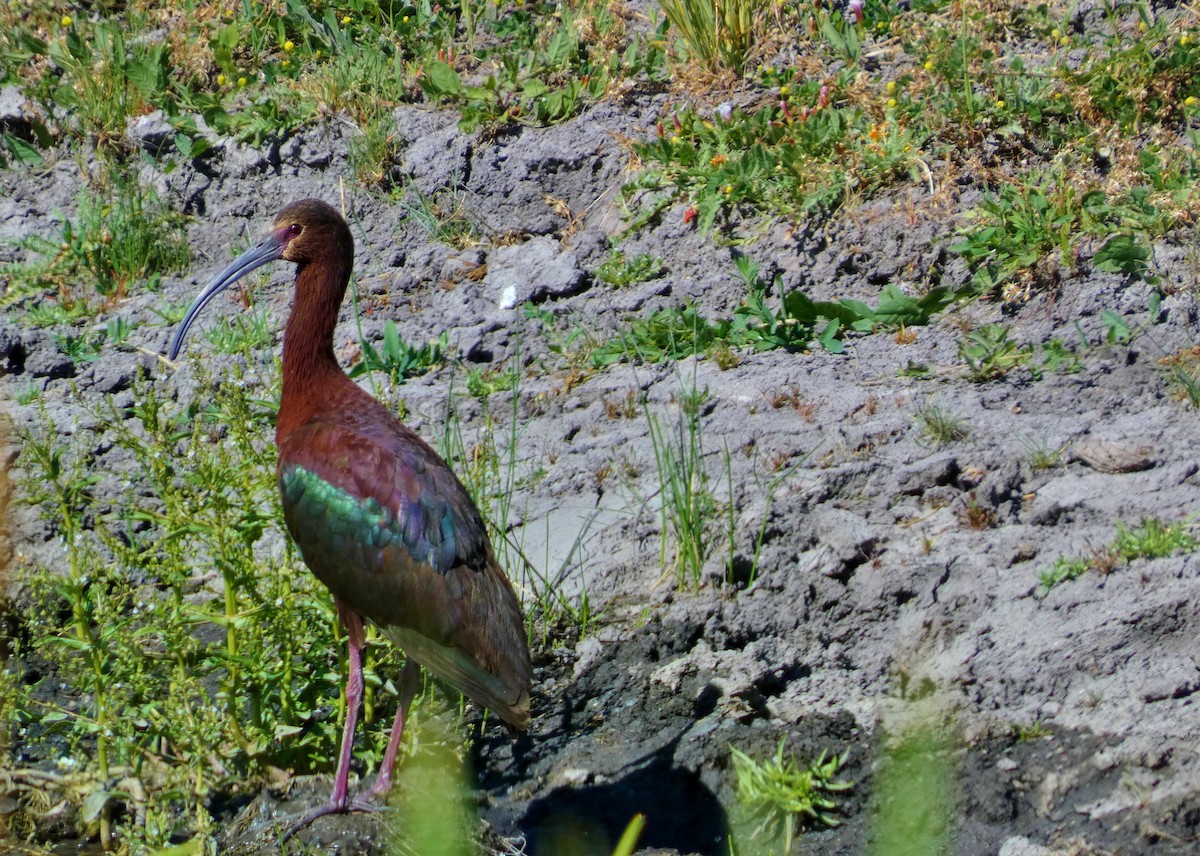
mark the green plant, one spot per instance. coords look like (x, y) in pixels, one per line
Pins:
(778, 795)
(991, 354)
(687, 503)
(81, 349)
(374, 152)
(123, 234)
(173, 610)
(1041, 455)
(27, 395)
(619, 271)
(796, 155)
(718, 35)
(242, 333)
(915, 783)
(939, 426)
(1063, 570)
(443, 218)
(1153, 539)
(1116, 331)
(105, 79)
(399, 359)
(1036, 730)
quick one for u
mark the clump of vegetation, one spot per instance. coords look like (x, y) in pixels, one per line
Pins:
(1151, 539)
(688, 504)
(780, 797)
(184, 631)
(940, 427)
(619, 271)
(122, 235)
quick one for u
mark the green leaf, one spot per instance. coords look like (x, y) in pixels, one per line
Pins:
(147, 74)
(23, 151)
(440, 81)
(94, 803)
(829, 337)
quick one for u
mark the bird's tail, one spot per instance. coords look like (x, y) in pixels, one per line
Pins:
(509, 699)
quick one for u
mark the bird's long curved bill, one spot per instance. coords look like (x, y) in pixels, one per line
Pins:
(268, 249)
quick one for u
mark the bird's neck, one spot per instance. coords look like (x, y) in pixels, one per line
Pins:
(311, 374)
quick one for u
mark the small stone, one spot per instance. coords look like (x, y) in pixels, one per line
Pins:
(1110, 456)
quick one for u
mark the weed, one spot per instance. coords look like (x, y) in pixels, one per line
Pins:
(398, 359)
(795, 155)
(621, 272)
(1057, 357)
(976, 515)
(374, 153)
(443, 218)
(991, 354)
(1063, 570)
(482, 381)
(940, 427)
(123, 234)
(916, 769)
(1041, 455)
(243, 333)
(625, 408)
(1116, 331)
(1153, 539)
(175, 588)
(778, 796)
(1182, 373)
(718, 35)
(688, 505)
(30, 393)
(1036, 730)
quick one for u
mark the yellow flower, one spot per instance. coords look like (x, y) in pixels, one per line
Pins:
(999, 103)
(929, 65)
(728, 189)
(404, 19)
(346, 21)
(242, 81)
(1141, 26)
(317, 53)
(66, 20)
(1189, 101)
(286, 63)
(1184, 39)
(220, 80)
(289, 45)
(675, 139)
(891, 87)
(783, 90)
(1054, 34)
(891, 102)
(1064, 40)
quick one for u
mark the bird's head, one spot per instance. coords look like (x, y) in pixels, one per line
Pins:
(305, 231)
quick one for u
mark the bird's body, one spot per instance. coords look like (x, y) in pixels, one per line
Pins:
(378, 516)
(392, 532)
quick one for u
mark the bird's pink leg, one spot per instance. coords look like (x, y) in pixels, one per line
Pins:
(339, 802)
(408, 690)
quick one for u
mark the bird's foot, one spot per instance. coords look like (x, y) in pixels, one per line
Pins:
(333, 807)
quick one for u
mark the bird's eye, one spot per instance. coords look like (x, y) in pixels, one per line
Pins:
(295, 229)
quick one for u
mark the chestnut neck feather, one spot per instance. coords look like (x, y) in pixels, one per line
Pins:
(312, 379)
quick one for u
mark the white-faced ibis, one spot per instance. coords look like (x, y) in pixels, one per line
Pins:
(378, 516)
